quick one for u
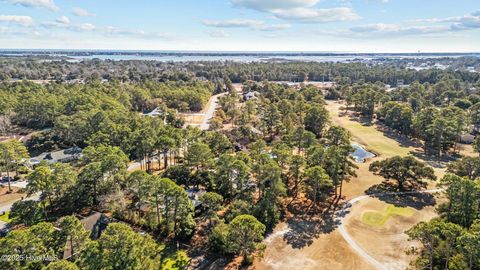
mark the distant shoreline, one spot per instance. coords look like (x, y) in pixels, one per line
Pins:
(246, 56)
(220, 53)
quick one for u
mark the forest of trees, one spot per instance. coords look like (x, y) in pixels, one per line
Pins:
(292, 149)
(383, 70)
(95, 113)
(437, 114)
(276, 155)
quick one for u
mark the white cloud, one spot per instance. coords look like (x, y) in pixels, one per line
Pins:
(63, 20)
(80, 12)
(395, 29)
(467, 23)
(22, 20)
(273, 27)
(111, 31)
(64, 23)
(255, 25)
(48, 4)
(302, 11)
(271, 5)
(233, 23)
(306, 15)
(471, 20)
(417, 27)
(218, 34)
(85, 27)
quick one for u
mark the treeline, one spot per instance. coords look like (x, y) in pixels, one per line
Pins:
(27, 99)
(109, 113)
(34, 68)
(387, 71)
(43, 229)
(182, 96)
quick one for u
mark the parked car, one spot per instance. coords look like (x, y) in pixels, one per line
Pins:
(6, 178)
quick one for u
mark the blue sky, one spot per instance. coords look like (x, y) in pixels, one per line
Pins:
(247, 25)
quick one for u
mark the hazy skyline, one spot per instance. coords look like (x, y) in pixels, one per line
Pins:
(243, 25)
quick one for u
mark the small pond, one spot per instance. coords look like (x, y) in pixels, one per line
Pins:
(361, 154)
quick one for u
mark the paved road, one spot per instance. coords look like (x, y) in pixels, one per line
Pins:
(351, 242)
(212, 107)
(19, 184)
(205, 125)
(7, 207)
(133, 167)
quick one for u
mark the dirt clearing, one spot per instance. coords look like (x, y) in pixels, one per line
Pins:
(386, 242)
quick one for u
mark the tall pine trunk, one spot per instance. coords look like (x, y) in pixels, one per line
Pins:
(8, 178)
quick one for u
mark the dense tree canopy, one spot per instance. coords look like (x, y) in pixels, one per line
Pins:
(262, 159)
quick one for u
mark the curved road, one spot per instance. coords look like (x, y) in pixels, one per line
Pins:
(7, 207)
(351, 242)
(212, 107)
(205, 125)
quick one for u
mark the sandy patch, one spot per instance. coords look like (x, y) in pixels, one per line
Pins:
(327, 252)
(6, 198)
(387, 242)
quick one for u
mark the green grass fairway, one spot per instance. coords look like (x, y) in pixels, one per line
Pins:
(369, 136)
(5, 217)
(379, 218)
(375, 140)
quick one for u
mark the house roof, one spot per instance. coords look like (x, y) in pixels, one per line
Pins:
(250, 95)
(65, 155)
(194, 194)
(467, 138)
(155, 112)
(95, 224)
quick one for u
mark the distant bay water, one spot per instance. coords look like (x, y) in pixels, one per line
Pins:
(189, 56)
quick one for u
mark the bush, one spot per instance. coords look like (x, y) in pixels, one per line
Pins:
(218, 238)
(23, 170)
(236, 208)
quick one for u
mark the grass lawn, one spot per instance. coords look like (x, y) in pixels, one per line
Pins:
(375, 141)
(370, 136)
(5, 218)
(379, 218)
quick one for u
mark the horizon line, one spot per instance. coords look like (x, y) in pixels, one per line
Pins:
(235, 51)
